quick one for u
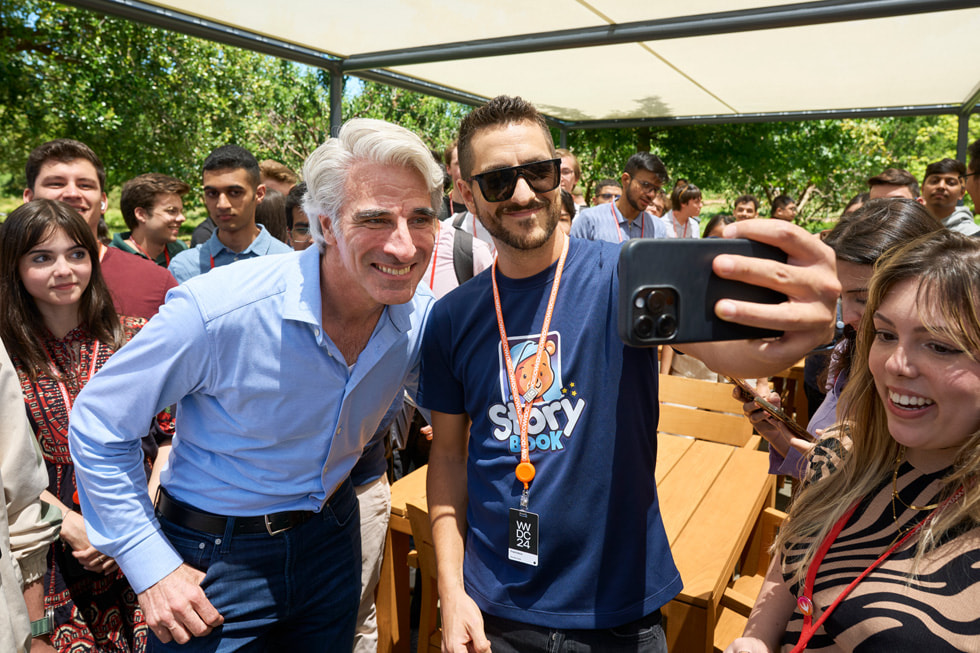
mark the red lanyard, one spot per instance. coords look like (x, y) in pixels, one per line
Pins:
(166, 253)
(525, 470)
(435, 252)
(686, 225)
(805, 602)
(643, 222)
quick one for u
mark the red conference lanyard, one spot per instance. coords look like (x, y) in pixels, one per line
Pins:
(435, 252)
(525, 470)
(643, 215)
(805, 602)
(166, 254)
(686, 225)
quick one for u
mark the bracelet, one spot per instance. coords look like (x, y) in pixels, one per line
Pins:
(44, 625)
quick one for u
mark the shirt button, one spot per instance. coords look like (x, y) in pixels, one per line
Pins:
(316, 331)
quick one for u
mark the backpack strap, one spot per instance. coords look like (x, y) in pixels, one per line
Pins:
(462, 254)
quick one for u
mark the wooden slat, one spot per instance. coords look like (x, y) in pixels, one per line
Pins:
(683, 489)
(707, 395)
(735, 430)
(407, 489)
(670, 449)
(713, 537)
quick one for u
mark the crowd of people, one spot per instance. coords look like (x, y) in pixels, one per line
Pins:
(218, 422)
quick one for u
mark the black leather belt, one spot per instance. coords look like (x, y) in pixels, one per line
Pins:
(199, 520)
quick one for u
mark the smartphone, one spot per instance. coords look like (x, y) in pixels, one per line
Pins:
(667, 290)
(778, 413)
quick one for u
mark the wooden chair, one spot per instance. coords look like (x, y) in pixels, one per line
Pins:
(430, 634)
(741, 594)
(704, 410)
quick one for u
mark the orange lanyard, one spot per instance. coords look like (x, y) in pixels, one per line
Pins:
(643, 223)
(166, 253)
(525, 470)
(805, 602)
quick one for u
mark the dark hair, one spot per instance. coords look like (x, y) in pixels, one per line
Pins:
(866, 235)
(879, 225)
(271, 213)
(607, 182)
(233, 157)
(974, 151)
(721, 218)
(895, 177)
(62, 150)
(568, 203)
(294, 200)
(856, 202)
(682, 194)
(781, 202)
(141, 193)
(22, 327)
(743, 199)
(648, 162)
(447, 154)
(277, 171)
(501, 110)
(943, 166)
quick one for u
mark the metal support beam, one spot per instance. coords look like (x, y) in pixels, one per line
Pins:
(782, 116)
(336, 102)
(148, 14)
(962, 136)
(726, 22)
(563, 137)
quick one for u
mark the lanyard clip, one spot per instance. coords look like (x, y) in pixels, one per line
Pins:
(524, 498)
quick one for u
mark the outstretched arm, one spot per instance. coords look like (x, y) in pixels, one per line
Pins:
(809, 281)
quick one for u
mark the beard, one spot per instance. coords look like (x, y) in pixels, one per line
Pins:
(532, 232)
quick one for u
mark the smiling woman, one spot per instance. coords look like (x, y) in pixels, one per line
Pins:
(887, 529)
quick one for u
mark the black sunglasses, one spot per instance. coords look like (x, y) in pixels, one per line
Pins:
(499, 185)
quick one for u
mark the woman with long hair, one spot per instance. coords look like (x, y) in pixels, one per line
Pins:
(58, 324)
(881, 548)
(858, 241)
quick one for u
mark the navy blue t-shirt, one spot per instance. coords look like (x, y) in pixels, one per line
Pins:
(604, 559)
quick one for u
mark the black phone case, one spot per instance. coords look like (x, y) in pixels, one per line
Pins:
(677, 273)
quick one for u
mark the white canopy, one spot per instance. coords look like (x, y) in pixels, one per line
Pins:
(588, 62)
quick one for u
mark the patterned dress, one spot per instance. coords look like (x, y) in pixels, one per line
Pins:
(92, 611)
(936, 610)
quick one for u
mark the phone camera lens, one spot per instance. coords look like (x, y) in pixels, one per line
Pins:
(643, 326)
(666, 326)
(655, 301)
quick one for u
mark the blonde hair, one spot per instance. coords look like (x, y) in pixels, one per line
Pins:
(946, 267)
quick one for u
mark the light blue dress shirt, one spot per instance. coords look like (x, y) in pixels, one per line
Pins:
(197, 260)
(269, 416)
(605, 222)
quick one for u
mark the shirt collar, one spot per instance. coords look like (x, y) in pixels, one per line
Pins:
(302, 295)
(258, 247)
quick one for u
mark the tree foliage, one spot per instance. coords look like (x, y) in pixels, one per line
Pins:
(147, 99)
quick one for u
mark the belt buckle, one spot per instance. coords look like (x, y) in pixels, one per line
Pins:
(268, 527)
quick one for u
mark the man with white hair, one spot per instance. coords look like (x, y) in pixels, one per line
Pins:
(283, 368)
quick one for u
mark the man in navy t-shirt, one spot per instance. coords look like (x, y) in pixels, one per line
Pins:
(544, 423)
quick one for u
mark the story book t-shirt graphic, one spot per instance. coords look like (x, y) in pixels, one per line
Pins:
(556, 406)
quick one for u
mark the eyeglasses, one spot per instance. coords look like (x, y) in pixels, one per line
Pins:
(299, 233)
(499, 185)
(607, 196)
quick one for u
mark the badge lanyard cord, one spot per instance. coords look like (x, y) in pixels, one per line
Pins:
(525, 470)
(435, 252)
(643, 222)
(805, 602)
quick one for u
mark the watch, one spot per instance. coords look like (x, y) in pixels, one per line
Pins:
(44, 625)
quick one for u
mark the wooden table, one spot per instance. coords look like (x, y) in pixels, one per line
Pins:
(394, 594)
(710, 497)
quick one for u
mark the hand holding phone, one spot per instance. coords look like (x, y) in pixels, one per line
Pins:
(776, 412)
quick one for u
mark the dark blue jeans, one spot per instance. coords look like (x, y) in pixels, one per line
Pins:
(295, 591)
(644, 635)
